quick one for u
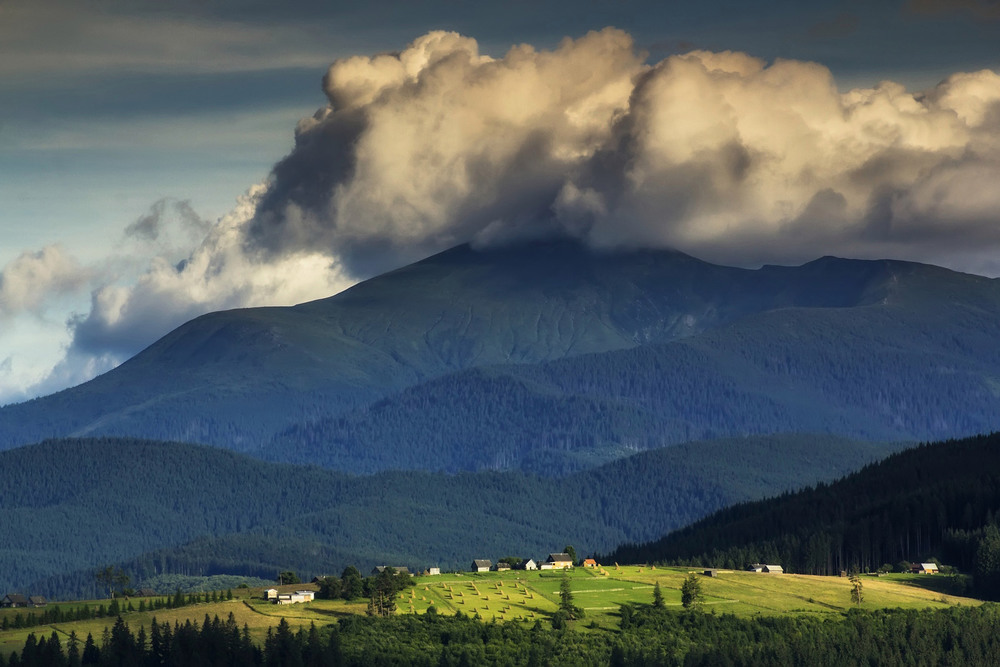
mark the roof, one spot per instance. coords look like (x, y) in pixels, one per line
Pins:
(590, 561)
(37, 599)
(17, 598)
(560, 558)
(146, 592)
(928, 566)
(399, 569)
(482, 562)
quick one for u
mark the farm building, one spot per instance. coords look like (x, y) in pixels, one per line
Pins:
(502, 566)
(527, 564)
(37, 601)
(924, 568)
(378, 569)
(14, 600)
(711, 572)
(433, 570)
(560, 561)
(589, 562)
(756, 567)
(773, 569)
(295, 598)
(481, 565)
(271, 594)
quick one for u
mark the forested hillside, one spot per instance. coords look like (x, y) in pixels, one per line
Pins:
(72, 505)
(937, 500)
(550, 358)
(891, 370)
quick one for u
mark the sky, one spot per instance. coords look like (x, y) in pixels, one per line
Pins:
(163, 160)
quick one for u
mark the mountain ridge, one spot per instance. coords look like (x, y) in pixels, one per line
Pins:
(247, 379)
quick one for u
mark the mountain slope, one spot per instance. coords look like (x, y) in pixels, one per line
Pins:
(74, 505)
(235, 378)
(919, 360)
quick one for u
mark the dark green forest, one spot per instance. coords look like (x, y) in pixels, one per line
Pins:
(171, 508)
(646, 636)
(937, 500)
(876, 372)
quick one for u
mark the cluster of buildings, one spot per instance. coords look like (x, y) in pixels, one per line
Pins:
(559, 561)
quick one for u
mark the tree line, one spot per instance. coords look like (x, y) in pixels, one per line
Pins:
(647, 635)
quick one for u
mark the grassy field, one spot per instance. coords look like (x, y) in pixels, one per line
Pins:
(534, 596)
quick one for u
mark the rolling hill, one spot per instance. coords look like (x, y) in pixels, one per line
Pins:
(71, 506)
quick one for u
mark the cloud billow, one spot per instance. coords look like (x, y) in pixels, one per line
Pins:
(719, 154)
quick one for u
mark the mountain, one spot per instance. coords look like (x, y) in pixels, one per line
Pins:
(938, 500)
(71, 506)
(552, 358)
(915, 358)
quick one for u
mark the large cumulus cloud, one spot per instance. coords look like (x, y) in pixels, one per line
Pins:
(719, 154)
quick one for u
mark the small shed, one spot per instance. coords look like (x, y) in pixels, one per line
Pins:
(773, 569)
(481, 565)
(37, 601)
(711, 572)
(271, 594)
(589, 562)
(924, 568)
(433, 570)
(527, 564)
(502, 566)
(755, 567)
(147, 593)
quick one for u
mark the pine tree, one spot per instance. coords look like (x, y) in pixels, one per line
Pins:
(658, 597)
(691, 592)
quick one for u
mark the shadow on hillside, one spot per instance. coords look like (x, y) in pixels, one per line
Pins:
(946, 584)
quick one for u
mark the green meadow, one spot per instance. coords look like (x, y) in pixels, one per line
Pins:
(534, 596)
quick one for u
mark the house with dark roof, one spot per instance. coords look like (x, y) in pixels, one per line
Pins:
(37, 601)
(14, 600)
(560, 561)
(481, 565)
(147, 593)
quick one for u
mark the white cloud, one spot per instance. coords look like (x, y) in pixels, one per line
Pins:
(30, 281)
